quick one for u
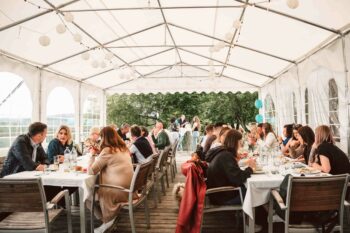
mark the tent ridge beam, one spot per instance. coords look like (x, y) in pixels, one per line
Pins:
(104, 44)
(235, 35)
(36, 16)
(290, 16)
(154, 8)
(168, 29)
(240, 46)
(225, 76)
(234, 66)
(134, 61)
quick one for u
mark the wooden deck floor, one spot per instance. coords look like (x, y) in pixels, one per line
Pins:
(163, 219)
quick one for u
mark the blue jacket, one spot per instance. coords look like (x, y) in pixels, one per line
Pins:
(56, 148)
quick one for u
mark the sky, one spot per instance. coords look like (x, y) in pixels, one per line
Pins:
(20, 105)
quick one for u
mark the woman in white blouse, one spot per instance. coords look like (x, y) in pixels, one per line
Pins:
(270, 140)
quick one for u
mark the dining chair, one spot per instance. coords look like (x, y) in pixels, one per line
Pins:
(151, 182)
(172, 160)
(310, 194)
(211, 208)
(27, 208)
(138, 186)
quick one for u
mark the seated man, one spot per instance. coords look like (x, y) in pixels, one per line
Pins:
(123, 130)
(26, 152)
(140, 148)
(160, 137)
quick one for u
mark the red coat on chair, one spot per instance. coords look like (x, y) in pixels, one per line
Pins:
(192, 203)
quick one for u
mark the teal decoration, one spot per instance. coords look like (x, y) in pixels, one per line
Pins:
(258, 103)
(259, 118)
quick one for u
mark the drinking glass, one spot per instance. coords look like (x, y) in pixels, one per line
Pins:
(46, 169)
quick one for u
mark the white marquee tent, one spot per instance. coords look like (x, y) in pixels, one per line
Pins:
(297, 59)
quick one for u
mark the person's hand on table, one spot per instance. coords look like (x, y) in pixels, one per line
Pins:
(251, 163)
(40, 167)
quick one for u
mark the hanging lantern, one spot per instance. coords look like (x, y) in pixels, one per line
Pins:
(109, 56)
(210, 63)
(216, 48)
(293, 4)
(77, 37)
(85, 56)
(237, 24)
(94, 64)
(103, 65)
(115, 66)
(221, 45)
(68, 17)
(44, 40)
(61, 28)
(229, 36)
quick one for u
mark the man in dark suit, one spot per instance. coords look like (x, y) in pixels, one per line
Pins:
(26, 152)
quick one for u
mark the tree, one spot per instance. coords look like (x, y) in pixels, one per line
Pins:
(236, 109)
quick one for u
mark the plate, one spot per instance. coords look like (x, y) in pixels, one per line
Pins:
(259, 172)
(306, 170)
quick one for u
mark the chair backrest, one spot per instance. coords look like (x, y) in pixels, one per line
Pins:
(2, 160)
(174, 147)
(163, 158)
(141, 173)
(155, 158)
(316, 193)
(22, 195)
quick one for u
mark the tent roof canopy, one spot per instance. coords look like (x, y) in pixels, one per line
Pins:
(167, 46)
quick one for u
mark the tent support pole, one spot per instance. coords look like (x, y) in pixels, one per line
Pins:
(79, 115)
(347, 94)
(40, 96)
(301, 110)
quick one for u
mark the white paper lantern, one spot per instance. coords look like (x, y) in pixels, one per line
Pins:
(115, 66)
(61, 28)
(77, 37)
(210, 63)
(85, 56)
(229, 36)
(103, 65)
(109, 56)
(221, 45)
(292, 4)
(68, 17)
(94, 64)
(237, 24)
(44, 40)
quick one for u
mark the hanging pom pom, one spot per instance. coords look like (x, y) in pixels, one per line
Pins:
(44, 40)
(85, 56)
(68, 17)
(61, 28)
(109, 56)
(293, 4)
(237, 24)
(94, 64)
(77, 37)
(103, 64)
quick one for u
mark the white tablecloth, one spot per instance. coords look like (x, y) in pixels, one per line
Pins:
(68, 179)
(258, 191)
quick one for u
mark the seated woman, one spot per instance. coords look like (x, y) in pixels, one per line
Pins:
(140, 148)
(62, 140)
(306, 137)
(115, 168)
(91, 144)
(294, 147)
(287, 134)
(270, 139)
(223, 169)
(328, 157)
(145, 134)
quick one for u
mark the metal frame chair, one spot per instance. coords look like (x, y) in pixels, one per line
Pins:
(161, 170)
(323, 194)
(138, 184)
(26, 200)
(172, 160)
(151, 182)
(210, 208)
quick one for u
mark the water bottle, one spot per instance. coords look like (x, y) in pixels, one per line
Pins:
(74, 156)
(67, 158)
